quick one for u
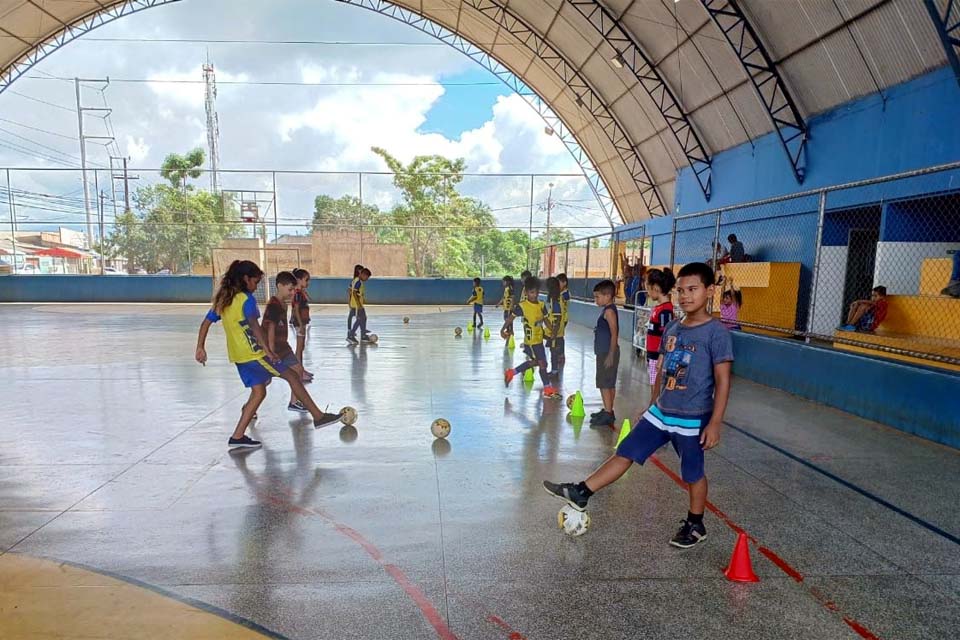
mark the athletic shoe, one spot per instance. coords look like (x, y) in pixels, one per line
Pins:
(689, 535)
(297, 406)
(597, 414)
(550, 392)
(603, 419)
(365, 339)
(508, 376)
(352, 340)
(246, 442)
(325, 419)
(567, 492)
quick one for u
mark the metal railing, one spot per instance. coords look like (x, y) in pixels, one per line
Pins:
(812, 265)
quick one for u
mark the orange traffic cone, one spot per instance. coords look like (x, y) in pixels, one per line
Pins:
(739, 569)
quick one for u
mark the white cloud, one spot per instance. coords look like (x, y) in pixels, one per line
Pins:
(187, 87)
(137, 149)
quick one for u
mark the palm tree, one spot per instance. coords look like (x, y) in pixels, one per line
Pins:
(177, 168)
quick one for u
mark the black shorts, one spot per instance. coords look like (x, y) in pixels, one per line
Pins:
(607, 377)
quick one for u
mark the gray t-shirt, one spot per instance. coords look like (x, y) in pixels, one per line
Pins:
(688, 355)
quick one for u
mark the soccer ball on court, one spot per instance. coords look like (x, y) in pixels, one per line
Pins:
(406, 320)
(372, 338)
(574, 523)
(458, 332)
(348, 415)
(570, 399)
(440, 428)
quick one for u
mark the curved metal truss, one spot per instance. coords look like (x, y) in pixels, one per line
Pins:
(68, 33)
(645, 71)
(587, 97)
(787, 122)
(948, 27)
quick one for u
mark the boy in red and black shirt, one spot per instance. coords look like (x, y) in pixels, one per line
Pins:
(660, 283)
(275, 329)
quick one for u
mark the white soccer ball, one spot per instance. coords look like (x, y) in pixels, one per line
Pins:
(372, 338)
(574, 523)
(440, 428)
(348, 415)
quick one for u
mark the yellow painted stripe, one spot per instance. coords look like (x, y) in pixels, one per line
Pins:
(45, 599)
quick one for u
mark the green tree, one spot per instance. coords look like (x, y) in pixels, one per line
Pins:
(177, 168)
(344, 213)
(555, 236)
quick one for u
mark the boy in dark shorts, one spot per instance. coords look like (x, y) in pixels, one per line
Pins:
(606, 350)
(275, 328)
(686, 408)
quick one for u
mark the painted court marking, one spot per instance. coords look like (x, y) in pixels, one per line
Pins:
(779, 562)
(849, 485)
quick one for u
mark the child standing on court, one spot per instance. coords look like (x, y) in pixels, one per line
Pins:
(275, 328)
(686, 407)
(357, 268)
(359, 297)
(300, 317)
(533, 312)
(606, 349)
(506, 301)
(477, 300)
(556, 323)
(256, 363)
(659, 285)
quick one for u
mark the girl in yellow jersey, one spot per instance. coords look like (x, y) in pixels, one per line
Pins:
(257, 365)
(506, 301)
(534, 316)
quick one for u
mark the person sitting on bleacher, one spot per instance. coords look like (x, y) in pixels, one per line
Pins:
(866, 315)
(953, 287)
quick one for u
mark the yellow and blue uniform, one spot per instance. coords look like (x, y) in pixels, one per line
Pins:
(477, 300)
(534, 316)
(556, 317)
(351, 303)
(358, 291)
(242, 347)
(507, 301)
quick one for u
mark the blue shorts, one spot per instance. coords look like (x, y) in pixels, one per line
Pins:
(656, 429)
(477, 308)
(536, 352)
(260, 371)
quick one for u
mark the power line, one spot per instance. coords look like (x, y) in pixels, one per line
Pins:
(287, 83)
(37, 154)
(58, 106)
(38, 129)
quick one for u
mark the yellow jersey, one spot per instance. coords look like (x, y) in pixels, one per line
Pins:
(507, 299)
(358, 289)
(477, 297)
(533, 314)
(555, 312)
(242, 345)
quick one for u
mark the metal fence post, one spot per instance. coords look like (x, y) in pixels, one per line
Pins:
(811, 309)
(716, 241)
(673, 244)
(586, 273)
(13, 223)
(360, 193)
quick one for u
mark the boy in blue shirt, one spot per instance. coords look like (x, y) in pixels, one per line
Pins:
(686, 407)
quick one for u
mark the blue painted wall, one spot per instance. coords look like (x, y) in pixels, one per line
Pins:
(76, 288)
(910, 126)
(918, 400)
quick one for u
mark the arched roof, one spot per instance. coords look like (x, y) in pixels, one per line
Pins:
(647, 87)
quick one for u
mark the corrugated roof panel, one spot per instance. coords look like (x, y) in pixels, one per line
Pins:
(539, 15)
(635, 117)
(688, 76)
(786, 25)
(575, 41)
(829, 73)
(657, 153)
(718, 125)
(718, 57)
(751, 111)
(653, 26)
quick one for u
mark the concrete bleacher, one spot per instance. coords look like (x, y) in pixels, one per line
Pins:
(770, 291)
(925, 323)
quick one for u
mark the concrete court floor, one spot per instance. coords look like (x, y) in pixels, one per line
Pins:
(122, 513)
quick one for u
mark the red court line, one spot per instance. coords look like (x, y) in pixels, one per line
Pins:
(514, 635)
(779, 562)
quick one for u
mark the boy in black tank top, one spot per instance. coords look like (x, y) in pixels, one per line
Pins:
(607, 351)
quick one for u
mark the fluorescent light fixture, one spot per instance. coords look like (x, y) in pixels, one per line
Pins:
(617, 61)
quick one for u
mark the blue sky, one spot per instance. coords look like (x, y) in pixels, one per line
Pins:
(377, 93)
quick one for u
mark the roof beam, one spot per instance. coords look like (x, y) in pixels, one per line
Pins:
(632, 57)
(773, 93)
(16, 37)
(948, 28)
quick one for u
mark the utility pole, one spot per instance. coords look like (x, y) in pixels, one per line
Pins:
(213, 122)
(549, 209)
(83, 148)
(124, 177)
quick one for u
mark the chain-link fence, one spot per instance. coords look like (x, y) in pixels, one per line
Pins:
(872, 267)
(425, 224)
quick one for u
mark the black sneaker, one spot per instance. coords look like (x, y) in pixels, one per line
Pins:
(352, 340)
(246, 442)
(605, 419)
(597, 414)
(297, 406)
(689, 535)
(567, 492)
(365, 339)
(325, 419)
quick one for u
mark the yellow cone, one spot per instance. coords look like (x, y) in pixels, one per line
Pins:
(511, 343)
(470, 327)
(577, 409)
(528, 375)
(624, 431)
(486, 332)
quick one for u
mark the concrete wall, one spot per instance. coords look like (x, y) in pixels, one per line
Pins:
(915, 399)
